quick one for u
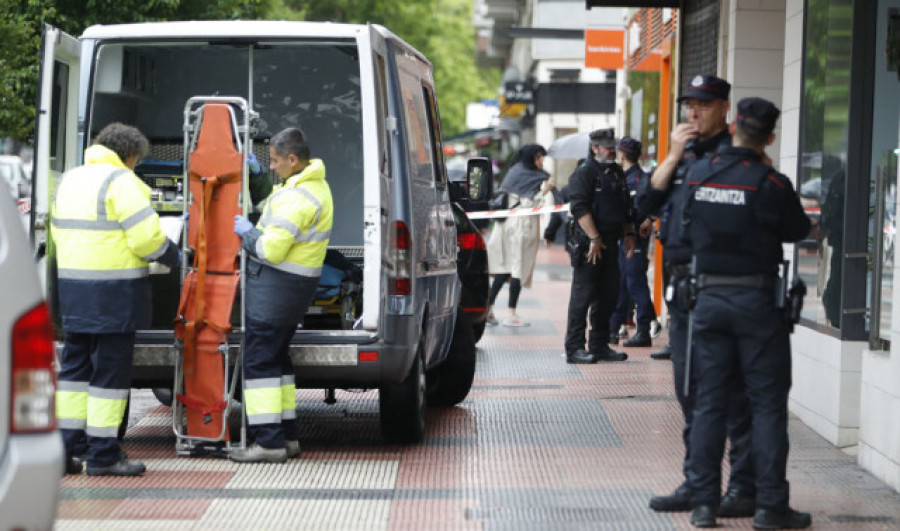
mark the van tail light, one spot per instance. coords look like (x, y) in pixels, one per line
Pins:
(470, 241)
(401, 282)
(33, 378)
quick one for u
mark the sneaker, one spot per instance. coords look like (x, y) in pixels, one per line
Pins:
(292, 448)
(257, 454)
(514, 320)
(790, 519)
(678, 501)
(623, 332)
(122, 467)
(655, 328)
(491, 320)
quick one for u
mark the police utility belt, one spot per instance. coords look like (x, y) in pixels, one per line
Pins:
(758, 281)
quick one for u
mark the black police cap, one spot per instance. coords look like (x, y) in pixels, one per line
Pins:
(757, 114)
(630, 146)
(603, 137)
(706, 88)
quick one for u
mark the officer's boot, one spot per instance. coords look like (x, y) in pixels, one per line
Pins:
(641, 338)
(664, 353)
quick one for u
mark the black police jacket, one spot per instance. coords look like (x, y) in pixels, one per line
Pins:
(737, 213)
(599, 189)
(667, 204)
(635, 178)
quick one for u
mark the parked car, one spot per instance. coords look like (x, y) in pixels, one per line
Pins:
(31, 449)
(368, 107)
(15, 175)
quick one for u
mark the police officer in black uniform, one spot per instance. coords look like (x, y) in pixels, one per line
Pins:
(600, 203)
(703, 134)
(633, 284)
(738, 212)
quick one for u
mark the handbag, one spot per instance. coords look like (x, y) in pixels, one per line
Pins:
(500, 201)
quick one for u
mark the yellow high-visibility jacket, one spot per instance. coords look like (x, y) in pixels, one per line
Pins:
(288, 245)
(105, 232)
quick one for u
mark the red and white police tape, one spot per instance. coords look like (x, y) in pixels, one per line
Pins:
(513, 212)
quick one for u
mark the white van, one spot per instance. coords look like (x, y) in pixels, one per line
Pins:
(366, 101)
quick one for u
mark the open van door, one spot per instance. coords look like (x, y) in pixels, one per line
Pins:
(56, 140)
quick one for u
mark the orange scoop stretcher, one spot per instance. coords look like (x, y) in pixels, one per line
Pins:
(206, 372)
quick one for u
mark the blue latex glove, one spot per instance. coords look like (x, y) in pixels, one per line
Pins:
(253, 164)
(242, 225)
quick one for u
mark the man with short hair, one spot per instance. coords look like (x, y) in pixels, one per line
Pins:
(602, 208)
(737, 214)
(105, 232)
(633, 286)
(703, 135)
(286, 252)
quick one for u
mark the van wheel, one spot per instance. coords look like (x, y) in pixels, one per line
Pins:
(478, 330)
(402, 406)
(449, 383)
(164, 395)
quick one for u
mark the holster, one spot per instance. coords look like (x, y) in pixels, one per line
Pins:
(577, 243)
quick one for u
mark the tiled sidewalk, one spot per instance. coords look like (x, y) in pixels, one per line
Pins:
(538, 444)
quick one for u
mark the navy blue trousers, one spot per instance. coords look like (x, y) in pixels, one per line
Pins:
(740, 335)
(738, 415)
(633, 288)
(267, 355)
(103, 361)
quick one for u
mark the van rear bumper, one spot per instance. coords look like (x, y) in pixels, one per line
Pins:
(30, 471)
(322, 359)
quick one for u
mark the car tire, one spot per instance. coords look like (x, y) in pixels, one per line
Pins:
(402, 406)
(450, 382)
(478, 330)
(164, 395)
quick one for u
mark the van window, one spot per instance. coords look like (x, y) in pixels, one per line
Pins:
(434, 122)
(58, 128)
(418, 142)
(311, 85)
(384, 162)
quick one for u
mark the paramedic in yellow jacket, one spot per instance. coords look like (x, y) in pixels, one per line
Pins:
(287, 248)
(105, 232)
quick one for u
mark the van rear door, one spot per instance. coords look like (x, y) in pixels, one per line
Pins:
(57, 138)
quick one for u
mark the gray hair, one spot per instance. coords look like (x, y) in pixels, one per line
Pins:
(124, 140)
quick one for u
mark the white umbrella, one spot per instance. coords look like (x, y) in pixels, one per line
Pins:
(573, 146)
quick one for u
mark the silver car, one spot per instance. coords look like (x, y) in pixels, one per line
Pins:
(31, 450)
(15, 175)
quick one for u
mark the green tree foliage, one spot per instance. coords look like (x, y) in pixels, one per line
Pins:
(21, 23)
(441, 29)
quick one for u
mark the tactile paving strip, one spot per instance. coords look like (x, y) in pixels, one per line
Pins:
(539, 444)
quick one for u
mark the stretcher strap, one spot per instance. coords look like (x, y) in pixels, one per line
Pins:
(205, 409)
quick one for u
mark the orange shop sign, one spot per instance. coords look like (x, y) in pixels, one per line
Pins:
(604, 49)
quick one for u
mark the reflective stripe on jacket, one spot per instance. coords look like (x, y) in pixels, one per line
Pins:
(296, 223)
(105, 232)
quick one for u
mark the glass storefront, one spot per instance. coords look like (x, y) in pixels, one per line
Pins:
(848, 164)
(823, 165)
(885, 149)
